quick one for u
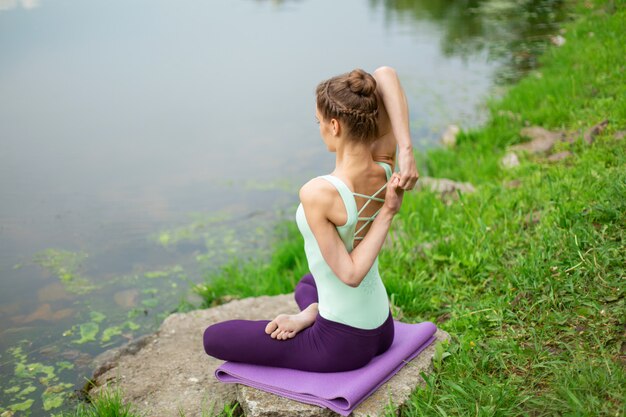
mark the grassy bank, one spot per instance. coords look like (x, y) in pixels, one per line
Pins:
(527, 273)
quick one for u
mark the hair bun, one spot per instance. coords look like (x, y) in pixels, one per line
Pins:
(361, 82)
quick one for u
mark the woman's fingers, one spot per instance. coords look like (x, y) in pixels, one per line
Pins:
(393, 197)
(393, 182)
(408, 180)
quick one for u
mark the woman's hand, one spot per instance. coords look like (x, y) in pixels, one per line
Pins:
(408, 170)
(394, 195)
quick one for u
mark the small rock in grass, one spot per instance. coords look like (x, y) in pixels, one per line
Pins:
(559, 156)
(542, 140)
(510, 160)
(444, 185)
(509, 114)
(532, 218)
(443, 318)
(449, 136)
(590, 134)
(513, 184)
(557, 40)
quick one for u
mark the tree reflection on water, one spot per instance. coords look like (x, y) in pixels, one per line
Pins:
(513, 31)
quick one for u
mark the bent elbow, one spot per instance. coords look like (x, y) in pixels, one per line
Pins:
(385, 70)
(353, 281)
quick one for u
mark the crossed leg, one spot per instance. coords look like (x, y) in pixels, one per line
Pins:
(321, 347)
(286, 326)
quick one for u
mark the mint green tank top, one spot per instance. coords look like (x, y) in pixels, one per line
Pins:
(366, 306)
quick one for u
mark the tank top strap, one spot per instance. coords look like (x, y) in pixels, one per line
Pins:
(387, 168)
(346, 197)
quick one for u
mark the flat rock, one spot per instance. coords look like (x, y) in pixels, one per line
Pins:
(542, 140)
(510, 160)
(169, 372)
(449, 136)
(593, 131)
(444, 185)
(559, 156)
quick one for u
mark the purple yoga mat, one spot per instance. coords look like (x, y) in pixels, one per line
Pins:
(340, 391)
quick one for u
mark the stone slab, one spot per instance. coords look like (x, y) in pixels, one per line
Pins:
(168, 372)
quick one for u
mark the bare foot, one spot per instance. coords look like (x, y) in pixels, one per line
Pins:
(286, 326)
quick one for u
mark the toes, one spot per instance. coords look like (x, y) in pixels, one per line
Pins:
(271, 327)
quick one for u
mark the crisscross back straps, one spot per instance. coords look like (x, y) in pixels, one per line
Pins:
(371, 218)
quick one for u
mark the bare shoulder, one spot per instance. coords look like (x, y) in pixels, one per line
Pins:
(317, 192)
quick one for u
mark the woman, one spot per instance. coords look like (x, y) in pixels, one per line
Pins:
(345, 319)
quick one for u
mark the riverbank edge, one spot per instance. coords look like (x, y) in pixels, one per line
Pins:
(466, 274)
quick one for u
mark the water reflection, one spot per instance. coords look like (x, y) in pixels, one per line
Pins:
(12, 4)
(513, 31)
(277, 3)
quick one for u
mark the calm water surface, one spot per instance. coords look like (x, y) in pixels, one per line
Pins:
(143, 143)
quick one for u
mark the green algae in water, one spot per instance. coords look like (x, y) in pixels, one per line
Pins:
(88, 332)
(54, 396)
(193, 231)
(12, 390)
(23, 393)
(97, 317)
(23, 406)
(25, 374)
(108, 333)
(135, 312)
(65, 265)
(285, 185)
(150, 302)
(132, 325)
(64, 365)
(176, 270)
(31, 370)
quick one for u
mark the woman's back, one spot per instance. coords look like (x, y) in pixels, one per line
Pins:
(368, 190)
(365, 306)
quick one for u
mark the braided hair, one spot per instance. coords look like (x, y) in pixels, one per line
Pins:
(351, 98)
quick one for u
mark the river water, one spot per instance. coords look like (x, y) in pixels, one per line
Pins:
(144, 143)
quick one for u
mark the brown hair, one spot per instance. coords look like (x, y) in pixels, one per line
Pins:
(351, 98)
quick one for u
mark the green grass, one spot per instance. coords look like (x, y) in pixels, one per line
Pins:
(528, 279)
(107, 404)
(252, 277)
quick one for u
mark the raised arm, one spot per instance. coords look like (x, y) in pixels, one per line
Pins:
(394, 127)
(318, 197)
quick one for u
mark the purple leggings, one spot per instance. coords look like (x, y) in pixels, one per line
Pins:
(326, 346)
